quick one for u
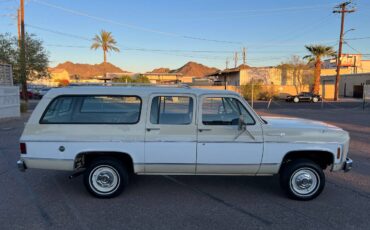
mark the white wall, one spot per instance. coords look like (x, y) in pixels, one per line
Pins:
(9, 101)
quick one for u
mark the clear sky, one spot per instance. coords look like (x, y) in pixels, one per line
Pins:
(168, 33)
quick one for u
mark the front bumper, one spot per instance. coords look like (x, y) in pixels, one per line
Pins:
(347, 165)
(21, 165)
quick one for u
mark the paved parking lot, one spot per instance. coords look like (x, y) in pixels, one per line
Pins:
(41, 199)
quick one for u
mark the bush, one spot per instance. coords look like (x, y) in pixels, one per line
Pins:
(123, 79)
(260, 92)
(246, 91)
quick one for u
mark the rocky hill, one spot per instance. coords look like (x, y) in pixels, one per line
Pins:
(161, 70)
(189, 69)
(88, 71)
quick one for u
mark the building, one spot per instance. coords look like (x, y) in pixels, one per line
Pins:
(158, 78)
(233, 76)
(350, 64)
(350, 85)
(6, 74)
(9, 94)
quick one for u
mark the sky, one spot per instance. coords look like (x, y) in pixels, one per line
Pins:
(169, 33)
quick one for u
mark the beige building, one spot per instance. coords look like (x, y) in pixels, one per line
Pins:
(350, 85)
(157, 78)
(351, 64)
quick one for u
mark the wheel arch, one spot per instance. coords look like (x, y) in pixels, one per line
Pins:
(83, 159)
(323, 158)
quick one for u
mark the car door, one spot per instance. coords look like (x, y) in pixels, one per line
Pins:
(222, 148)
(170, 137)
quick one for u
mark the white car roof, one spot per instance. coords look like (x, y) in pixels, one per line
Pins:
(131, 90)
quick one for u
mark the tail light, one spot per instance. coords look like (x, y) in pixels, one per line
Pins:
(23, 148)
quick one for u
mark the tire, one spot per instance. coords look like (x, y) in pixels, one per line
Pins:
(302, 179)
(105, 178)
(296, 100)
(315, 99)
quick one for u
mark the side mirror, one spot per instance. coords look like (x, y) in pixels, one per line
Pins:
(241, 123)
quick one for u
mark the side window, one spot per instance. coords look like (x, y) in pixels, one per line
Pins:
(93, 110)
(224, 111)
(171, 110)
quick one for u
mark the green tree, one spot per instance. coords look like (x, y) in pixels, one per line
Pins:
(317, 52)
(123, 79)
(106, 42)
(7, 49)
(37, 59)
(141, 79)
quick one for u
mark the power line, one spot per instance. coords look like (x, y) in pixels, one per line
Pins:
(359, 38)
(60, 33)
(356, 50)
(294, 8)
(79, 13)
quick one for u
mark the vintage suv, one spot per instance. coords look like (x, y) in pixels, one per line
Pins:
(109, 132)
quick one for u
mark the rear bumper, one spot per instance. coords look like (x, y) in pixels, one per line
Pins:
(347, 165)
(21, 165)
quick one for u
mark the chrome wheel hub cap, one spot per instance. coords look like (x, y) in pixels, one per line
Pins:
(104, 179)
(304, 182)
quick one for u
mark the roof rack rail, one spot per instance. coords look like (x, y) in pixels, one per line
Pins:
(178, 85)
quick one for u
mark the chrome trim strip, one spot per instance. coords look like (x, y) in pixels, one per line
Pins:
(48, 159)
(302, 142)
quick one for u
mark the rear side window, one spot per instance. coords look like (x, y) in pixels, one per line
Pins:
(174, 110)
(93, 110)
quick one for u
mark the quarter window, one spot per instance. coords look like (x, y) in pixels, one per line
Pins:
(174, 110)
(224, 111)
(93, 110)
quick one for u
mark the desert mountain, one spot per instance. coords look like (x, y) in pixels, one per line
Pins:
(195, 69)
(189, 69)
(161, 70)
(87, 70)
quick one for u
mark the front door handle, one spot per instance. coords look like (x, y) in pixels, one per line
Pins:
(150, 129)
(201, 130)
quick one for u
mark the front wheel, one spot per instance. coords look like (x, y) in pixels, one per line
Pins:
(315, 99)
(296, 100)
(105, 178)
(302, 179)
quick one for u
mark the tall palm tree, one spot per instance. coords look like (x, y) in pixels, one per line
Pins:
(105, 41)
(317, 53)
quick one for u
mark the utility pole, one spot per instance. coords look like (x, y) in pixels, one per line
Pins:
(244, 52)
(22, 53)
(19, 26)
(341, 8)
(236, 59)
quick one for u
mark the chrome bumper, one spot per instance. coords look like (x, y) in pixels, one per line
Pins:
(21, 166)
(347, 165)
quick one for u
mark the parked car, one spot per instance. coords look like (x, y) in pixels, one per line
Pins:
(304, 97)
(107, 133)
(43, 91)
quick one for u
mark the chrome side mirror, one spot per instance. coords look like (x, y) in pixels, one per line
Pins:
(241, 123)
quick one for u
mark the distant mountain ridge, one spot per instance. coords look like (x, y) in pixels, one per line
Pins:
(86, 71)
(189, 69)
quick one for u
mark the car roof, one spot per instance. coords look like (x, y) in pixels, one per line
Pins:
(131, 90)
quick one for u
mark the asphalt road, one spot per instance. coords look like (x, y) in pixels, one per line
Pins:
(41, 199)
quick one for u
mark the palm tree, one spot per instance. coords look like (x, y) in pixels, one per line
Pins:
(105, 41)
(317, 53)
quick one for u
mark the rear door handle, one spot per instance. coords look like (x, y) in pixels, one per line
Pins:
(150, 129)
(201, 130)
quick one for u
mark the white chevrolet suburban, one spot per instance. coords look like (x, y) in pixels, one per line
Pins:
(108, 132)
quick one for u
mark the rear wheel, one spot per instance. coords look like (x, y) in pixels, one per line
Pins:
(315, 99)
(302, 179)
(105, 178)
(296, 100)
